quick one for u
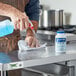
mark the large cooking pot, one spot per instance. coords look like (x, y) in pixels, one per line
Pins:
(43, 8)
(47, 18)
(51, 18)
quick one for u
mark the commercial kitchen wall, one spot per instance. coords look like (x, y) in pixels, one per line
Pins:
(66, 5)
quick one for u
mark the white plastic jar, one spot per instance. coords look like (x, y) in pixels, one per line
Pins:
(60, 42)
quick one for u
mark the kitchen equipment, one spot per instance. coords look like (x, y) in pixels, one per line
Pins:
(67, 18)
(50, 19)
(42, 8)
(69, 28)
(61, 12)
(58, 18)
(47, 19)
(41, 17)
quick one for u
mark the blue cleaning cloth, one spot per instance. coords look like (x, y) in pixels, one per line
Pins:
(4, 58)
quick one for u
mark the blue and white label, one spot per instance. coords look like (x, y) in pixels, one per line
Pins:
(60, 44)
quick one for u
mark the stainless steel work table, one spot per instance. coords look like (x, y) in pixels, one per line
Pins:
(40, 57)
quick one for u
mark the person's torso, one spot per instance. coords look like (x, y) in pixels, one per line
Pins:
(19, 4)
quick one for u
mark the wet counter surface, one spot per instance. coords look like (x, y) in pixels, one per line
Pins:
(40, 57)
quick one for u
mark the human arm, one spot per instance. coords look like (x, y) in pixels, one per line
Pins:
(18, 17)
(31, 37)
(4, 8)
(32, 10)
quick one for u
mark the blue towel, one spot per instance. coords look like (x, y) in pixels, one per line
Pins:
(4, 58)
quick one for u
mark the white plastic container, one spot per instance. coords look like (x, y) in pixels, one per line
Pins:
(60, 42)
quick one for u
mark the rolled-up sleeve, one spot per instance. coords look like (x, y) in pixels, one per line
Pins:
(32, 10)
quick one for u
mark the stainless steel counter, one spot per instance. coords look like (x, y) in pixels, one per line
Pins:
(41, 57)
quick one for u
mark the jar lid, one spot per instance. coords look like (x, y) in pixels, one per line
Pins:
(61, 31)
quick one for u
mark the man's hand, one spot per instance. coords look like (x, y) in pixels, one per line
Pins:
(32, 41)
(20, 20)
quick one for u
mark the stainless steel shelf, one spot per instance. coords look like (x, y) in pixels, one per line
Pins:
(70, 37)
